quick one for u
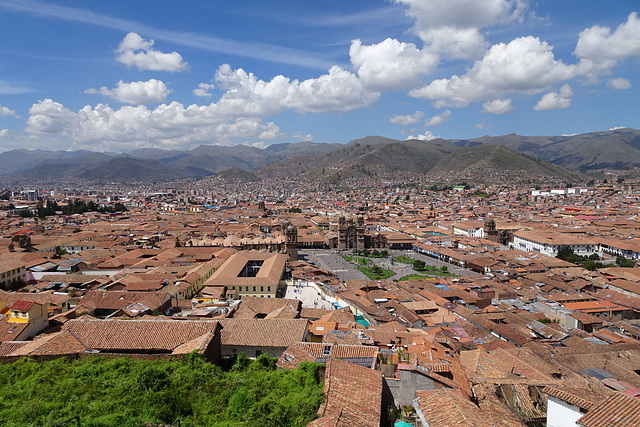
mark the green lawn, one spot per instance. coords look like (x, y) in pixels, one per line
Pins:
(376, 273)
(404, 259)
(413, 277)
(359, 260)
(428, 269)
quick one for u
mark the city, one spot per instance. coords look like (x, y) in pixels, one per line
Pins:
(384, 213)
(518, 305)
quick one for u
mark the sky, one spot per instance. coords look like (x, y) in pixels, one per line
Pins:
(116, 76)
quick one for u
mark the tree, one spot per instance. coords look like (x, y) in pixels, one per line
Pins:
(625, 262)
(419, 265)
(565, 252)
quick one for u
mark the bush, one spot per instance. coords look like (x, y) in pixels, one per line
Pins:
(119, 391)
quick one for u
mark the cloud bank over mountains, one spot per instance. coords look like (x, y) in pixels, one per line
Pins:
(245, 106)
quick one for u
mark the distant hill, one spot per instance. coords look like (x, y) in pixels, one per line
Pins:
(365, 157)
(618, 148)
(130, 169)
(384, 157)
(466, 160)
(238, 175)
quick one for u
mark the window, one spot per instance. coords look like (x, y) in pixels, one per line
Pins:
(254, 289)
(261, 288)
(268, 288)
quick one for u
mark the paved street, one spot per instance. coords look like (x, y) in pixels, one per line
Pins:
(309, 296)
(332, 261)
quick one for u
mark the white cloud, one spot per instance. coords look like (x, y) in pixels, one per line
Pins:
(598, 43)
(618, 127)
(619, 83)
(525, 66)
(149, 92)
(138, 52)
(236, 117)
(336, 92)
(426, 136)
(453, 27)
(203, 90)
(497, 106)
(4, 133)
(6, 112)
(303, 137)
(168, 126)
(391, 65)
(600, 50)
(49, 117)
(438, 119)
(408, 120)
(555, 100)
(482, 126)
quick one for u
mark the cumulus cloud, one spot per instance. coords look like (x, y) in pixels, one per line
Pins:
(149, 92)
(336, 92)
(426, 136)
(600, 50)
(204, 89)
(497, 106)
(438, 119)
(236, 117)
(408, 120)
(49, 117)
(168, 125)
(525, 65)
(6, 112)
(555, 100)
(598, 43)
(619, 83)
(452, 28)
(391, 65)
(138, 52)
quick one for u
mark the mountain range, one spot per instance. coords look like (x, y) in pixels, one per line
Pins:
(558, 156)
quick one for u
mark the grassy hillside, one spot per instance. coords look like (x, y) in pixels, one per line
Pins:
(498, 157)
(237, 175)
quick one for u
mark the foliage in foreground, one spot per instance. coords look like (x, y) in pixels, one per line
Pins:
(124, 392)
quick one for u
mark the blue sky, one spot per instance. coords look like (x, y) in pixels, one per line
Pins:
(121, 75)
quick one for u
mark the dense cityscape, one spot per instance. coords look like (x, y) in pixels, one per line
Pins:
(427, 302)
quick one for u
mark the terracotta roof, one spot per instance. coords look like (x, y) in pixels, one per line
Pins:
(354, 396)
(573, 397)
(250, 307)
(449, 408)
(619, 410)
(263, 332)
(22, 305)
(269, 273)
(131, 335)
(298, 352)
